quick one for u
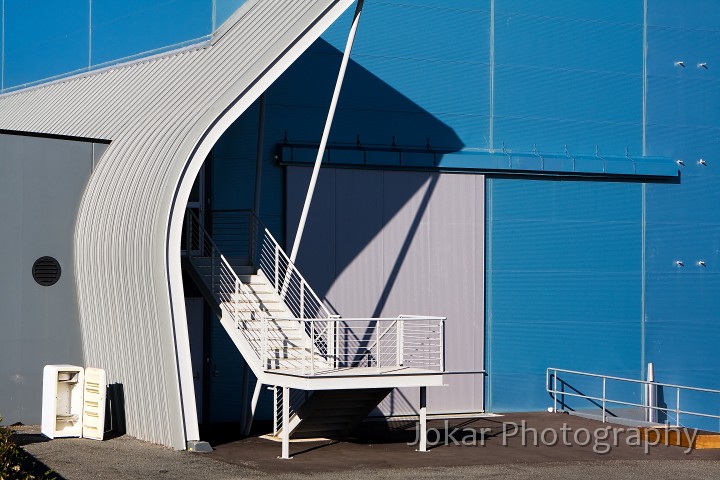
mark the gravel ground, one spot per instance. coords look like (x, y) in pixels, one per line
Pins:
(127, 458)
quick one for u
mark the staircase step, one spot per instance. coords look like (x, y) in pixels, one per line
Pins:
(255, 298)
(252, 279)
(251, 307)
(257, 324)
(244, 269)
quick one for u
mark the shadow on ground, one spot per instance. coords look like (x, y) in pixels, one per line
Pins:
(528, 438)
(31, 465)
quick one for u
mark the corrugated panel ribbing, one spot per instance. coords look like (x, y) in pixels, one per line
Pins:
(154, 112)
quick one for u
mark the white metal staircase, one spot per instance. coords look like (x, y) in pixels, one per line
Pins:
(291, 340)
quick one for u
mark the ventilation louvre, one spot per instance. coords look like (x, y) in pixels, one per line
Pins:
(46, 271)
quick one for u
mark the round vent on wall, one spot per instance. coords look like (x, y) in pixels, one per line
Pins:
(46, 271)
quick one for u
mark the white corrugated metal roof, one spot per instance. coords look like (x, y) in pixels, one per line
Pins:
(161, 116)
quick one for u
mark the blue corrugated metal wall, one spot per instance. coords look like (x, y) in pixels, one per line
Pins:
(564, 264)
(45, 38)
(683, 221)
(580, 274)
(563, 284)
(631, 236)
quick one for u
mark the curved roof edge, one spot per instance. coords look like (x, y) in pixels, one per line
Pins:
(162, 114)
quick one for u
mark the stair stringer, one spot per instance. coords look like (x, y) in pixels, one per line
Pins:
(243, 346)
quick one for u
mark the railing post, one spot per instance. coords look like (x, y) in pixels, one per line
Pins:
(377, 344)
(264, 343)
(312, 348)
(236, 300)
(604, 383)
(555, 392)
(306, 340)
(677, 407)
(277, 269)
(302, 299)
(332, 341)
(442, 344)
(400, 325)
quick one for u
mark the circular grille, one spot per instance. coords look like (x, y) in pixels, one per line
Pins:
(46, 271)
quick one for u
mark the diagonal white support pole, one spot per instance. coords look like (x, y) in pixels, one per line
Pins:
(253, 407)
(326, 132)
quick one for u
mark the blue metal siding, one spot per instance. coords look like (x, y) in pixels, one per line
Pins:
(579, 271)
(437, 64)
(683, 221)
(564, 284)
(568, 76)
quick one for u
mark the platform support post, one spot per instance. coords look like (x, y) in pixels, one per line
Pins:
(423, 420)
(286, 423)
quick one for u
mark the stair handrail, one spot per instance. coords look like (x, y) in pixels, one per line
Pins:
(228, 282)
(285, 263)
(292, 287)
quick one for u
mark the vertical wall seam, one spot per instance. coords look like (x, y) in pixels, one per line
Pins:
(644, 82)
(491, 143)
(644, 196)
(2, 48)
(89, 34)
(643, 282)
(488, 294)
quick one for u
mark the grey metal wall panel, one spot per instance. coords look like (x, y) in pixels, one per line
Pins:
(156, 112)
(404, 243)
(41, 183)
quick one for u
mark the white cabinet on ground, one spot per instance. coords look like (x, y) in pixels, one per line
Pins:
(62, 406)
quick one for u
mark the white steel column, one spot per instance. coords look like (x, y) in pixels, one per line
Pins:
(259, 155)
(423, 420)
(286, 424)
(326, 132)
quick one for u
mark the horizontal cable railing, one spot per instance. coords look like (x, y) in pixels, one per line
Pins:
(559, 385)
(339, 343)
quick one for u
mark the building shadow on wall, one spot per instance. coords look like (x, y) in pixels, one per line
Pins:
(372, 117)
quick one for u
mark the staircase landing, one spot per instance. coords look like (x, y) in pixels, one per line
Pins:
(357, 377)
